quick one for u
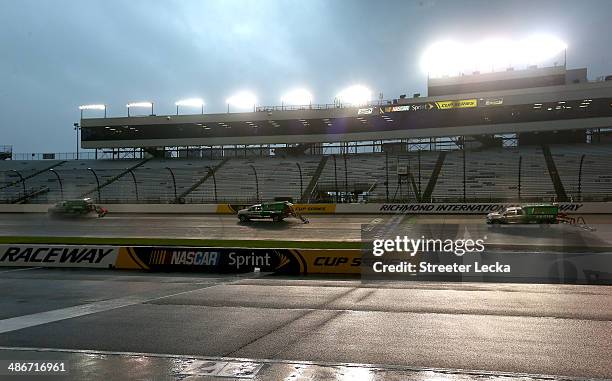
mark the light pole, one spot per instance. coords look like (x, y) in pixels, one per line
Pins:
(76, 130)
(92, 107)
(192, 102)
(242, 100)
(139, 104)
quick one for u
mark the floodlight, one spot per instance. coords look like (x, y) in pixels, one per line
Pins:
(242, 100)
(444, 57)
(452, 58)
(191, 102)
(92, 107)
(491, 54)
(538, 48)
(355, 95)
(139, 104)
(297, 97)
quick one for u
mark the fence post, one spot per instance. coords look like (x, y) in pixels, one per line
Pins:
(22, 179)
(335, 178)
(135, 185)
(173, 183)
(59, 180)
(580, 178)
(256, 182)
(464, 191)
(97, 182)
(520, 163)
(387, 174)
(301, 180)
(345, 177)
(212, 172)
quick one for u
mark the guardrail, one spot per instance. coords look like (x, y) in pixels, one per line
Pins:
(322, 106)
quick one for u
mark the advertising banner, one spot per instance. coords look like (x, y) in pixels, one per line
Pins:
(494, 101)
(464, 103)
(207, 259)
(411, 107)
(58, 255)
(239, 260)
(463, 208)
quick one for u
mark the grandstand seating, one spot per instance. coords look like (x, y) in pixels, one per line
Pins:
(493, 175)
(490, 175)
(154, 180)
(10, 186)
(596, 178)
(277, 177)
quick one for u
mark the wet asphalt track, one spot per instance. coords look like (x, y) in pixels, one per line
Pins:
(132, 325)
(302, 329)
(320, 228)
(183, 226)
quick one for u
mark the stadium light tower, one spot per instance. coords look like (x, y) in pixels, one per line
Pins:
(139, 104)
(242, 100)
(449, 57)
(191, 102)
(355, 95)
(541, 47)
(444, 58)
(297, 97)
(92, 107)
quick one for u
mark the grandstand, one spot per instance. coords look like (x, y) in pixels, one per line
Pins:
(487, 175)
(538, 135)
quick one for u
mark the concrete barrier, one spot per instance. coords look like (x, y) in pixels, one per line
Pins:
(198, 259)
(593, 268)
(362, 208)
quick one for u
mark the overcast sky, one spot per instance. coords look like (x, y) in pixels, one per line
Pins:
(56, 55)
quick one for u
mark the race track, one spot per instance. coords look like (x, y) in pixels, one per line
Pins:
(320, 228)
(340, 228)
(158, 326)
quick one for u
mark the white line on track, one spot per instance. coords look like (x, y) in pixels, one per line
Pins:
(22, 269)
(32, 320)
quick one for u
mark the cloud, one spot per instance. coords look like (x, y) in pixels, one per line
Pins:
(59, 54)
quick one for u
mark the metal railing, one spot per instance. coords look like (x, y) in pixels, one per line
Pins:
(56, 156)
(322, 106)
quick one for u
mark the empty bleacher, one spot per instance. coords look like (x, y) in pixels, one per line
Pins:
(277, 177)
(487, 175)
(11, 187)
(595, 181)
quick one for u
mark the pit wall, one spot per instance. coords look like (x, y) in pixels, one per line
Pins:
(390, 208)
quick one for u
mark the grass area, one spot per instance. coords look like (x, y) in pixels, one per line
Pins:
(181, 242)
